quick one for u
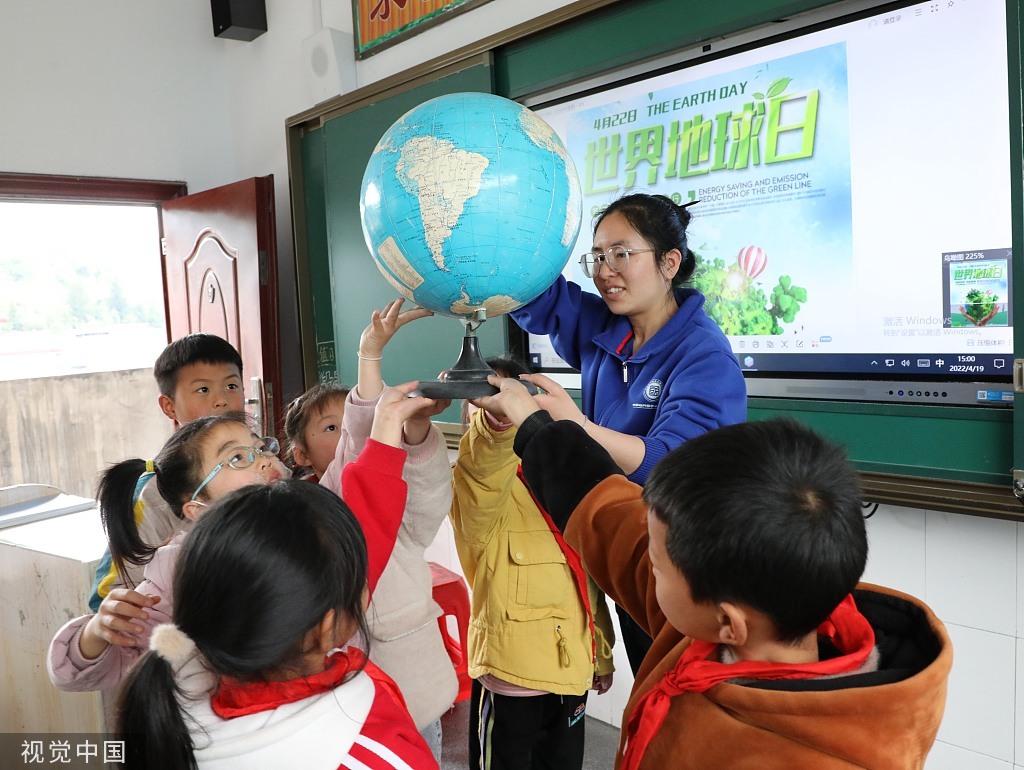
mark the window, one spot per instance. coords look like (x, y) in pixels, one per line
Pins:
(81, 288)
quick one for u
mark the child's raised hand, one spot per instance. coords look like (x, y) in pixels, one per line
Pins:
(393, 409)
(418, 425)
(383, 325)
(116, 623)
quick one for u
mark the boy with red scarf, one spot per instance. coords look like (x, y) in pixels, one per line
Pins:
(741, 557)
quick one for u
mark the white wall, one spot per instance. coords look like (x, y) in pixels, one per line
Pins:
(142, 88)
(970, 571)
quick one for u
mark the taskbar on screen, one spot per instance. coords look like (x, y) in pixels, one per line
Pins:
(980, 367)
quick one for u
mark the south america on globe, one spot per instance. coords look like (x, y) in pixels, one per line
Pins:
(470, 205)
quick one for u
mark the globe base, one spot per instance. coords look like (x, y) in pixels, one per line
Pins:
(455, 389)
(468, 378)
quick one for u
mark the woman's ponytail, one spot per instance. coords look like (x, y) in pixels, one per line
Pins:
(150, 720)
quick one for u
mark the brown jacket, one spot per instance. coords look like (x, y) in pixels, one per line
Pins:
(883, 719)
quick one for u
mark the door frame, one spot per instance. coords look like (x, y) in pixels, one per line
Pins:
(85, 189)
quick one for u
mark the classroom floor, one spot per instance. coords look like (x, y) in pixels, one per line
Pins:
(602, 739)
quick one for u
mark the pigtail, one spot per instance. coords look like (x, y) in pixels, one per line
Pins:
(296, 418)
(150, 719)
(116, 496)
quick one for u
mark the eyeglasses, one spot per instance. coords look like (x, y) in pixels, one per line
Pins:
(616, 258)
(241, 457)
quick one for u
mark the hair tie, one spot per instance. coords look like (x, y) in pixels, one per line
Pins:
(150, 466)
(172, 644)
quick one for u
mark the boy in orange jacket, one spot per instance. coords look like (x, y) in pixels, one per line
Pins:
(741, 556)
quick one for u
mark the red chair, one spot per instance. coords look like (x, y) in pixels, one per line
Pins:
(452, 595)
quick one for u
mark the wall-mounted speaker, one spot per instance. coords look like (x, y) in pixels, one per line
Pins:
(330, 63)
(239, 19)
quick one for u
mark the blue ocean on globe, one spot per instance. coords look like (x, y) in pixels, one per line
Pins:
(470, 201)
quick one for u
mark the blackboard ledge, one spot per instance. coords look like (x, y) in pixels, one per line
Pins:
(990, 500)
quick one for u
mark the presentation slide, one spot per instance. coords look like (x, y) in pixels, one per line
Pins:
(853, 212)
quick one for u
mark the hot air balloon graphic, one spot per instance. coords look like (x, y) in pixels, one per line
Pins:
(752, 260)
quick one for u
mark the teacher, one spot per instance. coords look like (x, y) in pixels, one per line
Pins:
(656, 370)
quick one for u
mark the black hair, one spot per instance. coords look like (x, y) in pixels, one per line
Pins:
(660, 222)
(259, 570)
(766, 514)
(503, 366)
(199, 347)
(178, 469)
(302, 409)
(507, 366)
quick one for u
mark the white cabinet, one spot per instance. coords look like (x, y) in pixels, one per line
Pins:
(46, 571)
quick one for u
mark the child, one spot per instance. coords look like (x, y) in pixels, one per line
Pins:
(197, 375)
(271, 582)
(201, 462)
(741, 557)
(537, 619)
(312, 427)
(407, 642)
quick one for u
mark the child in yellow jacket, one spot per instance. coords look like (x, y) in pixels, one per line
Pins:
(540, 636)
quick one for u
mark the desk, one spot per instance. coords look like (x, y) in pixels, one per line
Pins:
(46, 571)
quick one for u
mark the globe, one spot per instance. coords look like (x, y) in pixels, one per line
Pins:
(470, 205)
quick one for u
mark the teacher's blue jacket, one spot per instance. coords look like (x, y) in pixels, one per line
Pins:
(683, 382)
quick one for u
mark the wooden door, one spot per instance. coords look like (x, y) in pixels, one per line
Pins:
(220, 272)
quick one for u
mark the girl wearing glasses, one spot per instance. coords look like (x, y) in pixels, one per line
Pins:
(656, 370)
(203, 461)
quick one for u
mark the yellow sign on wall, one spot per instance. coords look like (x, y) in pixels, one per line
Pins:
(382, 23)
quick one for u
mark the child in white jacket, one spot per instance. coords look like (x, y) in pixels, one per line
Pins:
(406, 639)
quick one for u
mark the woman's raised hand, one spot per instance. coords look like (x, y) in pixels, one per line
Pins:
(553, 399)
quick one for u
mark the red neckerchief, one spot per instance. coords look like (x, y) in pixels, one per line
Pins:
(235, 698)
(573, 561)
(846, 628)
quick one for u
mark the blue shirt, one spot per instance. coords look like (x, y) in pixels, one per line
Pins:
(683, 382)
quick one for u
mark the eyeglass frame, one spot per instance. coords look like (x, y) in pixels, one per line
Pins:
(271, 446)
(601, 258)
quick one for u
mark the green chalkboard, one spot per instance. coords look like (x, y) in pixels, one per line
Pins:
(955, 445)
(961, 444)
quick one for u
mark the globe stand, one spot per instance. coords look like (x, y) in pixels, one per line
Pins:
(468, 378)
